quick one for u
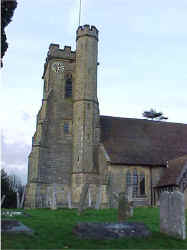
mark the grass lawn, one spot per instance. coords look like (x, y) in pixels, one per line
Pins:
(53, 230)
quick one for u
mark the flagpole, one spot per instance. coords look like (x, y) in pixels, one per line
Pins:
(80, 13)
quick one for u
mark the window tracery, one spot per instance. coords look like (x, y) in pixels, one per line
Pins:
(137, 180)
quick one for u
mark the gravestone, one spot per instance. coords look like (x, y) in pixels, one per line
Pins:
(3, 199)
(109, 230)
(83, 198)
(89, 198)
(14, 226)
(130, 200)
(172, 214)
(54, 205)
(99, 197)
(69, 199)
(124, 207)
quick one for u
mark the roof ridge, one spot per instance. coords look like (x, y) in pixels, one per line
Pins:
(143, 119)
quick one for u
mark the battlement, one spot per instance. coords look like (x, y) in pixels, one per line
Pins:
(87, 30)
(55, 51)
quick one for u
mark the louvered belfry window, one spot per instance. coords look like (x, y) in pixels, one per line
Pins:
(68, 88)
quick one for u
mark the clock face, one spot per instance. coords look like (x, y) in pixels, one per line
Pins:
(58, 67)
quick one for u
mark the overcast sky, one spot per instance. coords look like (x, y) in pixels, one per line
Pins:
(142, 55)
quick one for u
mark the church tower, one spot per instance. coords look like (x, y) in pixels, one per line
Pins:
(85, 111)
(50, 161)
(65, 145)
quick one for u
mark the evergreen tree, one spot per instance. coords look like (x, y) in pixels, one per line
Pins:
(152, 114)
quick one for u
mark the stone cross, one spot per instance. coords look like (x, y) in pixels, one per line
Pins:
(172, 214)
(125, 204)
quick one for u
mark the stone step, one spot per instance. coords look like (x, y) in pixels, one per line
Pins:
(140, 202)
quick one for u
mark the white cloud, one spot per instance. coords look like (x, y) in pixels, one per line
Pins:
(14, 158)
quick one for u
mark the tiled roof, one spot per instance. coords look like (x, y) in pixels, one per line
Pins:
(173, 174)
(142, 142)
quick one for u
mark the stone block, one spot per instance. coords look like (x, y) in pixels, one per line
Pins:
(124, 207)
(83, 197)
(172, 214)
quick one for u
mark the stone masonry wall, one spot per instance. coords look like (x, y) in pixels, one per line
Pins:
(117, 183)
(51, 158)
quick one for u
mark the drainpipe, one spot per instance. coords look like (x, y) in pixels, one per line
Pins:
(151, 183)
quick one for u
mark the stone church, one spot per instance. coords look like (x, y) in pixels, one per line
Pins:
(74, 145)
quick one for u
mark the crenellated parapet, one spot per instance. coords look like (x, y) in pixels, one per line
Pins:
(55, 52)
(87, 30)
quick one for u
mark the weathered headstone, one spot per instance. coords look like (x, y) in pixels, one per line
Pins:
(69, 199)
(14, 226)
(54, 198)
(125, 204)
(83, 198)
(172, 214)
(99, 197)
(130, 199)
(3, 199)
(18, 199)
(48, 198)
(89, 198)
(124, 207)
(109, 231)
(23, 197)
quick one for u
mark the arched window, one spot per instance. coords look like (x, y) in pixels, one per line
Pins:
(68, 87)
(135, 183)
(142, 183)
(128, 179)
